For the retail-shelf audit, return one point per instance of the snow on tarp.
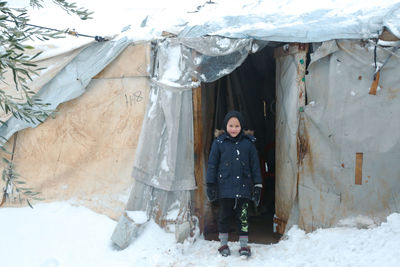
(295, 21)
(287, 21)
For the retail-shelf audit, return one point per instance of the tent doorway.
(251, 90)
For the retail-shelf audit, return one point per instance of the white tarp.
(289, 85)
(295, 21)
(72, 79)
(341, 120)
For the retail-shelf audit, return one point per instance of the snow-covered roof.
(295, 21)
(284, 21)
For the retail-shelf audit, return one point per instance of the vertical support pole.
(290, 88)
(198, 157)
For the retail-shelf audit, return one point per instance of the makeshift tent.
(84, 152)
(337, 140)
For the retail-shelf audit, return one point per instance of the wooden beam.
(198, 157)
(358, 171)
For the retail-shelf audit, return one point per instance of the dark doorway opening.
(251, 90)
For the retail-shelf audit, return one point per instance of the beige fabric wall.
(85, 154)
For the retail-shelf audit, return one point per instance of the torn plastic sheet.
(205, 59)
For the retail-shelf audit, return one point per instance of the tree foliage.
(15, 31)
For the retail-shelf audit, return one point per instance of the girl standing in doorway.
(233, 178)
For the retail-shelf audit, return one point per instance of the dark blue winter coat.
(233, 166)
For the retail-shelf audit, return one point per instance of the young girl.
(233, 178)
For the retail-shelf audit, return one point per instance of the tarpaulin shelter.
(336, 139)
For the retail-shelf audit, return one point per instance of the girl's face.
(233, 127)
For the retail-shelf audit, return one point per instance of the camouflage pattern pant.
(233, 209)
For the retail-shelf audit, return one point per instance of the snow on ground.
(61, 234)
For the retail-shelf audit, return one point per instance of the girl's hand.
(212, 192)
(257, 195)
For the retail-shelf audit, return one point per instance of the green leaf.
(25, 188)
(29, 64)
(36, 55)
(30, 205)
(7, 108)
(17, 46)
(15, 76)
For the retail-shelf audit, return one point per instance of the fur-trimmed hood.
(219, 132)
(221, 135)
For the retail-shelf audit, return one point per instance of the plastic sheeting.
(72, 80)
(341, 120)
(86, 152)
(52, 66)
(289, 84)
(290, 23)
(164, 158)
(213, 57)
(206, 59)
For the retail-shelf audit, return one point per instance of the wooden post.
(198, 157)
(358, 169)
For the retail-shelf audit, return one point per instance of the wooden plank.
(280, 225)
(358, 172)
(388, 36)
(374, 85)
(290, 49)
(198, 157)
